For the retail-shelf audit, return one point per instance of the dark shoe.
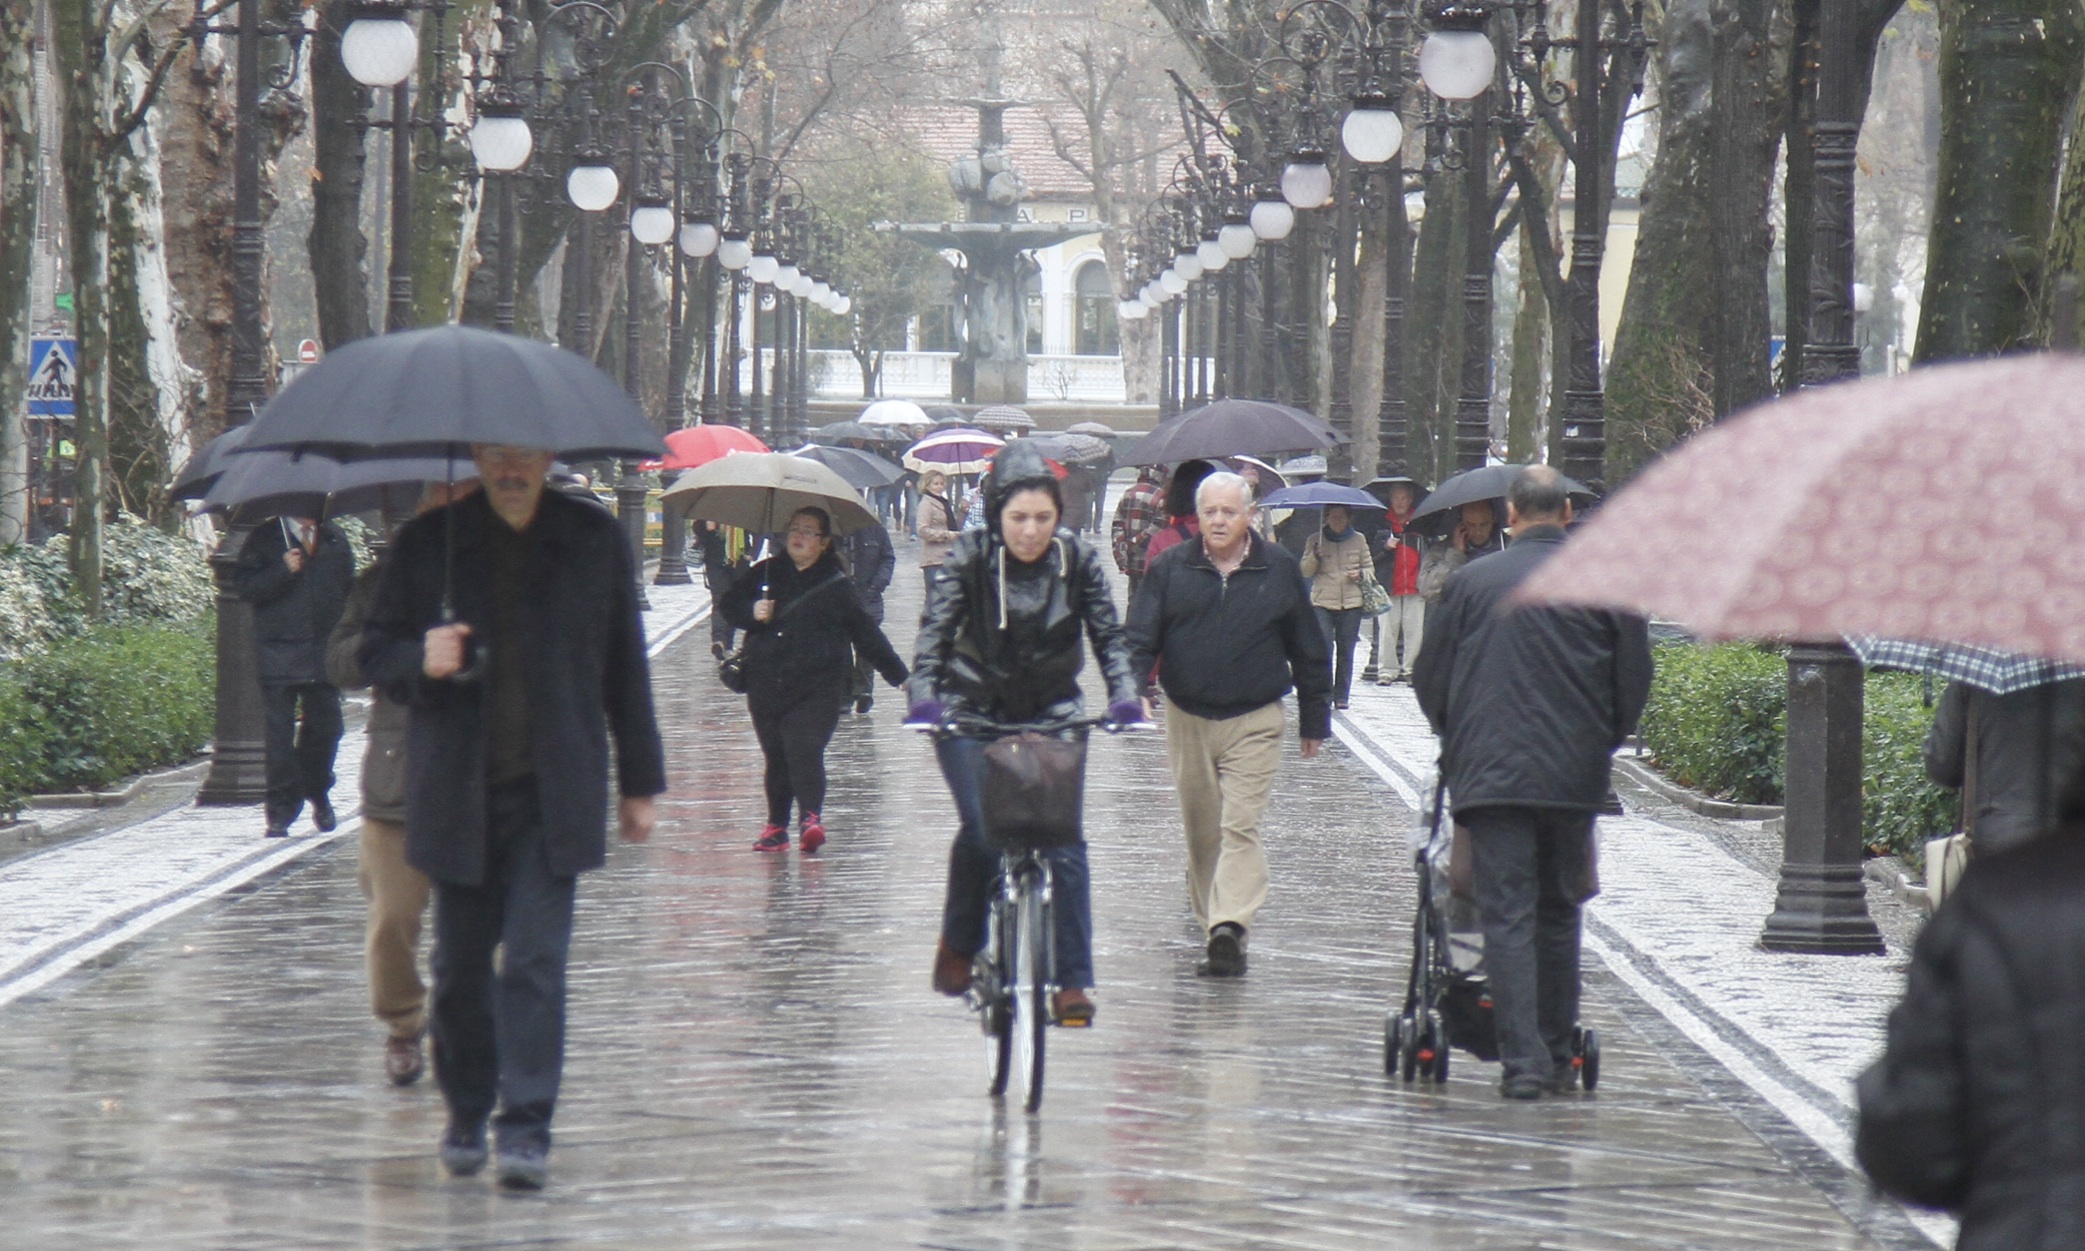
(1226, 951)
(524, 1166)
(951, 971)
(718, 650)
(278, 829)
(1341, 706)
(772, 838)
(322, 815)
(404, 1062)
(1521, 1086)
(1562, 1082)
(462, 1151)
(813, 835)
(1072, 1008)
(862, 705)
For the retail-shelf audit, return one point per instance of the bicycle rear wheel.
(991, 984)
(1031, 1010)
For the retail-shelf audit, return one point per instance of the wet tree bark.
(1433, 331)
(19, 188)
(337, 248)
(2008, 75)
(1745, 132)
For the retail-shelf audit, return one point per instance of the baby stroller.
(1447, 1000)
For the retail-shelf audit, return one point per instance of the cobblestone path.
(755, 1059)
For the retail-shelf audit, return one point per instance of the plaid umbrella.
(1003, 417)
(1986, 668)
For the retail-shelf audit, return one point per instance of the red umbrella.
(1862, 508)
(696, 446)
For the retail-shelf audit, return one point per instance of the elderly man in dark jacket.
(1978, 1104)
(1227, 618)
(871, 563)
(296, 573)
(507, 774)
(1530, 703)
(2028, 743)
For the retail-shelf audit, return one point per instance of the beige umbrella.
(757, 491)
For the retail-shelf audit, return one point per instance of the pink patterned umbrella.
(1862, 508)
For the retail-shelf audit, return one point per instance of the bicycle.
(1013, 978)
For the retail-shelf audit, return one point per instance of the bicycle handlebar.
(984, 727)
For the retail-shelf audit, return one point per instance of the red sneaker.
(813, 835)
(772, 838)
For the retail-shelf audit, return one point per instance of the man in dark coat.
(507, 774)
(1976, 1105)
(2028, 743)
(1530, 703)
(871, 563)
(719, 573)
(296, 573)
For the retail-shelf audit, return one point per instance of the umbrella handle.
(477, 652)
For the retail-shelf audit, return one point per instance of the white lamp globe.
(821, 290)
(592, 188)
(1213, 257)
(1306, 183)
(1172, 282)
(734, 253)
(1272, 220)
(801, 288)
(652, 222)
(843, 306)
(1457, 63)
(699, 239)
(1131, 310)
(786, 276)
(1187, 264)
(1237, 240)
(1372, 133)
(763, 268)
(380, 50)
(501, 140)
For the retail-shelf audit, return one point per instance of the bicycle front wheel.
(1031, 1008)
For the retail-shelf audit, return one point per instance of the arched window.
(1095, 331)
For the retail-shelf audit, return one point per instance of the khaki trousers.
(1224, 772)
(397, 894)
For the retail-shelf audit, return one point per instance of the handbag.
(1375, 597)
(1035, 787)
(1946, 858)
(731, 670)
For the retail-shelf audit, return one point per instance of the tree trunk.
(445, 204)
(1433, 330)
(2066, 252)
(1371, 289)
(1745, 129)
(77, 46)
(19, 190)
(1658, 382)
(2008, 73)
(337, 248)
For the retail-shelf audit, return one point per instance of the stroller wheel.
(1393, 1043)
(1437, 1041)
(1408, 1047)
(1589, 1058)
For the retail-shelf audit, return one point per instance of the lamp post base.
(630, 495)
(1822, 903)
(1822, 909)
(239, 751)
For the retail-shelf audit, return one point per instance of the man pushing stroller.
(1530, 703)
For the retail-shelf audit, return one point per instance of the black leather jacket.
(1003, 640)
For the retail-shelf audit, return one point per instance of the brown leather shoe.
(1072, 1008)
(951, 971)
(403, 1061)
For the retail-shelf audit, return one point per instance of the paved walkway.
(755, 1060)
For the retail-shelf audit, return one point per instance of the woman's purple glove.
(927, 714)
(1126, 712)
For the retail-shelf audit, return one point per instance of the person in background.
(1476, 534)
(1335, 560)
(804, 623)
(395, 891)
(2028, 745)
(1227, 619)
(1182, 520)
(296, 572)
(932, 517)
(1139, 514)
(723, 562)
(1398, 558)
(871, 562)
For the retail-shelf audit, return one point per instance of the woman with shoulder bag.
(803, 622)
(1337, 561)
(1003, 638)
(936, 533)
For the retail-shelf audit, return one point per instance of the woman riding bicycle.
(1001, 641)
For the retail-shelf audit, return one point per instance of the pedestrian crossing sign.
(54, 371)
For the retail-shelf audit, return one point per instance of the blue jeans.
(973, 872)
(1342, 628)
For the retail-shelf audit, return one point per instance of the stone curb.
(109, 799)
(1695, 801)
(1890, 873)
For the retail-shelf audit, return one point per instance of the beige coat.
(1331, 566)
(935, 533)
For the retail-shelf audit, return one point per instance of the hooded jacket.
(1004, 639)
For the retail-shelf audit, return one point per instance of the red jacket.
(1404, 569)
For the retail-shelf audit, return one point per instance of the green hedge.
(103, 704)
(1717, 720)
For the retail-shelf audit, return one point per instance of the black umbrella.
(1072, 449)
(273, 484)
(1488, 483)
(435, 392)
(1231, 428)
(840, 432)
(862, 470)
(205, 467)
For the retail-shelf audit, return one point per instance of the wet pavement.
(755, 1059)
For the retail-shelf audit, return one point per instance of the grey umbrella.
(1488, 483)
(205, 467)
(862, 470)
(1231, 428)
(1072, 449)
(271, 484)
(435, 392)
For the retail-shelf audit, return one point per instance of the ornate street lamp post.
(380, 49)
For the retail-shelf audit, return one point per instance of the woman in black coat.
(803, 624)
